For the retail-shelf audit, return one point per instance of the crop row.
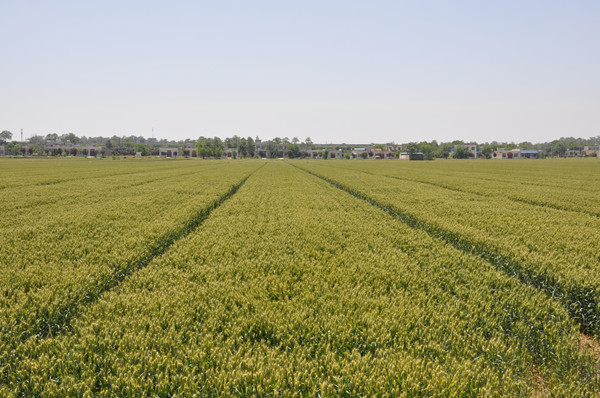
(56, 262)
(541, 246)
(293, 288)
(44, 172)
(554, 186)
(38, 197)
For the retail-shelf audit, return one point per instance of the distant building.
(190, 151)
(2, 150)
(411, 156)
(313, 154)
(335, 154)
(395, 148)
(360, 153)
(590, 150)
(380, 154)
(501, 153)
(89, 150)
(230, 153)
(168, 152)
(57, 148)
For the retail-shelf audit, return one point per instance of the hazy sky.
(337, 71)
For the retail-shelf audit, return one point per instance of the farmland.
(299, 278)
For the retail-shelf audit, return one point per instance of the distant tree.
(443, 150)
(251, 146)
(412, 148)
(202, 148)
(295, 140)
(209, 147)
(526, 145)
(231, 142)
(109, 144)
(427, 149)
(70, 137)
(461, 152)
(272, 149)
(5, 136)
(14, 148)
(308, 141)
(243, 147)
(559, 148)
(487, 151)
(293, 150)
(143, 149)
(52, 137)
(36, 139)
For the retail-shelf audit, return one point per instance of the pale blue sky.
(337, 71)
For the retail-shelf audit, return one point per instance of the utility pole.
(21, 135)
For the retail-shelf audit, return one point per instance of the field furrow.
(53, 266)
(558, 191)
(540, 246)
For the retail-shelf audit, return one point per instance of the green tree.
(70, 137)
(461, 152)
(412, 148)
(487, 151)
(143, 149)
(202, 148)
(36, 139)
(5, 136)
(243, 147)
(559, 148)
(209, 147)
(444, 150)
(427, 149)
(272, 149)
(293, 150)
(526, 145)
(251, 146)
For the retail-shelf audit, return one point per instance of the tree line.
(277, 147)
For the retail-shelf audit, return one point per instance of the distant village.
(237, 147)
